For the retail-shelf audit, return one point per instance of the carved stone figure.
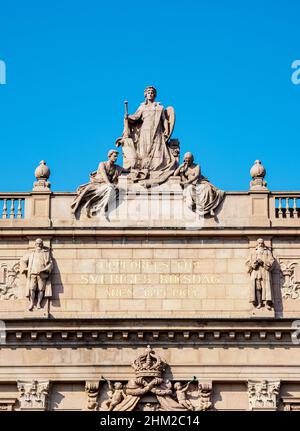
(116, 395)
(181, 395)
(33, 394)
(263, 395)
(290, 286)
(145, 141)
(37, 267)
(96, 196)
(259, 266)
(199, 194)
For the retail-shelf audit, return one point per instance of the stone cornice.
(82, 231)
(67, 332)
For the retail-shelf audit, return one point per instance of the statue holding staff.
(145, 140)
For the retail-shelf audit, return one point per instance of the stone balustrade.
(12, 206)
(287, 205)
(161, 206)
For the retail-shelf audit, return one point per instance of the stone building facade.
(150, 307)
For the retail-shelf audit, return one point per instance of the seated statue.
(95, 196)
(199, 194)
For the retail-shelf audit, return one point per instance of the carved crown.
(149, 364)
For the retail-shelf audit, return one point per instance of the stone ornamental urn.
(42, 173)
(258, 173)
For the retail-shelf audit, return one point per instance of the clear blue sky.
(224, 65)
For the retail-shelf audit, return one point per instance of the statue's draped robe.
(201, 194)
(261, 272)
(146, 148)
(95, 196)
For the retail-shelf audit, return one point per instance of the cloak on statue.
(145, 138)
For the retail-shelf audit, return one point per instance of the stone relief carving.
(101, 192)
(199, 194)
(145, 141)
(263, 395)
(204, 396)
(259, 266)
(37, 267)
(290, 286)
(33, 394)
(9, 276)
(181, 395)
(160, 392)
(116, 395)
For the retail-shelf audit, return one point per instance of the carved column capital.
(33, 394)
(263, 395)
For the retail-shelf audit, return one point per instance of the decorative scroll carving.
(263, 395)
(33, 394)
(290, 287)
(159, 392)
(92, 390)
(204, 396)
(8, 280)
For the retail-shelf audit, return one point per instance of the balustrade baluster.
(4, 210)
(19, 211)
(12, 208)
(280, 213)
(287, 208)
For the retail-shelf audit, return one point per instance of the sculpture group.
(150, 158)
(149, 380)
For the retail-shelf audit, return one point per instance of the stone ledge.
(94, 333)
